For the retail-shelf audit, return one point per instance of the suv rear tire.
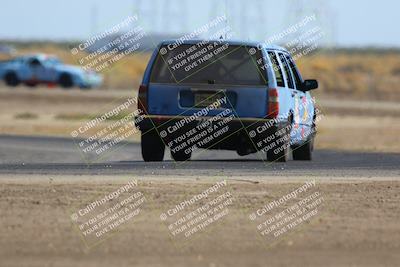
(152, 146)
(181, 155)
(284, 147)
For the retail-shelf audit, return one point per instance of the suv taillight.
(142, 98)
(273, 103)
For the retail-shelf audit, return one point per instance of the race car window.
(34, 62)
(277, 69)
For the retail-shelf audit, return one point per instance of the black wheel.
(85, 87)
(304, 152)
(152, 146)
(11, 79)
(280, 152)
(65, 81)
(181, 155)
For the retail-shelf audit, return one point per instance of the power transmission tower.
(93, 19)
(252, 19)
(174, 15)
(144, 13)
(326, 20)
(217, 9)
(297, 10)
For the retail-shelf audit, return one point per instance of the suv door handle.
(294, 93)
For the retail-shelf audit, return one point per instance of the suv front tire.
(304, 152)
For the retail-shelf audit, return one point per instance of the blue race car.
(44, 69)
(242, 96)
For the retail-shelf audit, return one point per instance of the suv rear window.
(211, 63)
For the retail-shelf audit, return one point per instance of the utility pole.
(93, 19)
(252, 19)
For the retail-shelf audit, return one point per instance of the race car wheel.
(181, 155)
(65, 80)
(304, 152)
(152, 146)
(11, 79)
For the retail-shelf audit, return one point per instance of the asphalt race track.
(50, 155)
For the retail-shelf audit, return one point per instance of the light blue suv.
(241, 96)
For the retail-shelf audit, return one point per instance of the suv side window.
(287, 71)
(277, 69)
(297, 77)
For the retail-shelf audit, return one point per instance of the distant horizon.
(346, 23)
(74, 41)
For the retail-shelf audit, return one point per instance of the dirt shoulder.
(357, 225)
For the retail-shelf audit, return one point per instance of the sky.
(347, 23)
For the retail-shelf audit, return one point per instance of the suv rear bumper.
(241, 132)
(148, 122)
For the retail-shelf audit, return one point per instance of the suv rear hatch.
(189, 77)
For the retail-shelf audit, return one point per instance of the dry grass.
(373, 75)
(26, 116)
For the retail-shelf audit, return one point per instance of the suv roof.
(230, 42)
